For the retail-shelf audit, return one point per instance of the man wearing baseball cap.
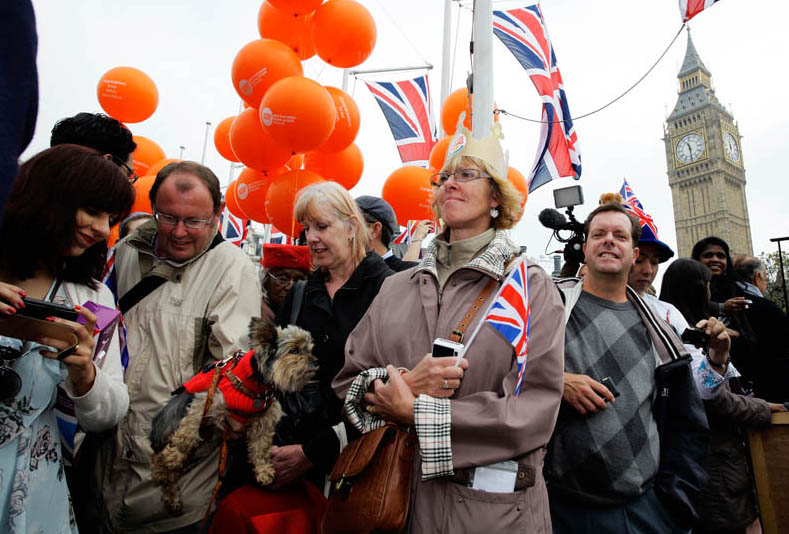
(382, 226)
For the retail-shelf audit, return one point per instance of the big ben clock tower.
(705, 164)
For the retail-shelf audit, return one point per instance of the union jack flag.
(233, 229)
(278, 238)
(511, 316)
(408, 110)
(108, 278)
(633, 205)
(406, 236)
(690, 8)
(523, 31)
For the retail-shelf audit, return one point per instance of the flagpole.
(445, 53)
(482, 75)
(205, 142)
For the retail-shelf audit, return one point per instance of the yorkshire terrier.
(281, 360)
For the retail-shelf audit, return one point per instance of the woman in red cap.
(283, 266)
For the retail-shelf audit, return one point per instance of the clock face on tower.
(730, 147)
(690, 148)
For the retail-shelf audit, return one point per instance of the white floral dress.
(33, 486)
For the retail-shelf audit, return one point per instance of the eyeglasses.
(461, 175)
(286, 279)
(190, 222)
(129, 171)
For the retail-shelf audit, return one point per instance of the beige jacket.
(202, 312)
(488, 424)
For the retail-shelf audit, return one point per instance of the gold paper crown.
(487, 149)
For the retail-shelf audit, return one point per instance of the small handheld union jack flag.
(406, 236)
(510, 314)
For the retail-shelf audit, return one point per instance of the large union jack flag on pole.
(523, 31)
(690, 8)
(633, 205)
(409, 112)
(509, 313)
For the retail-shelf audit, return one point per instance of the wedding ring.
(446, 384)
(370, 409)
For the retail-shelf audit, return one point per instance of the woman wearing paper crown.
(482, 426)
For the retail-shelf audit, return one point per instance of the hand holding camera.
(437, 374)
(719, 341)
(78, 358)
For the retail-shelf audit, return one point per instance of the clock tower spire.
(705, 164)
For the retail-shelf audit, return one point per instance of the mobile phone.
(607, 382)
(444, 347)
(41, 309)
(696, 337)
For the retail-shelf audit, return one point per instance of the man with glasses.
(283, 266)
(187, 296)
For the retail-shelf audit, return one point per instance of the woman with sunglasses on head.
(469, 421)
(53, 248)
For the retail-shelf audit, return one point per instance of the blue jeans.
(642, 515)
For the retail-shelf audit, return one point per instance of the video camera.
(566, 197)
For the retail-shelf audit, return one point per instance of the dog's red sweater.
(244, 394)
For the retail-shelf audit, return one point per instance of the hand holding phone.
(609, 383)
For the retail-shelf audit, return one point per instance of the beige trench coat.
(488, 424)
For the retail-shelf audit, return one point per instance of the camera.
(696, 337)
(566, 197)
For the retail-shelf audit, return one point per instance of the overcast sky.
(603, 47)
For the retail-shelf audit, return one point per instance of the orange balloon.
(296, 162)
(344, 33)
(517, 179)
(438, 154)
(344, 167)
(141, 189)
(409, 192)
(251, 193)
(291, 28)
(231, 201)
(346, 125)
(146, 154)
(296, 7)
(127, 94)
(298, 113)
(154, 169)
(259, 64)
(222, 139)
(281, 198)
(253, 145)
(456, 102)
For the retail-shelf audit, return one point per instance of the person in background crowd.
(467, 417)
(53, 247)
(728, 503)
(345, 281)
(187, 296)
(98, 131)
(283, 266)
(769, 324)
(132, 222)
(382, 226)
(605, 454)
(729, 302)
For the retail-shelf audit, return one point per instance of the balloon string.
(641, 79)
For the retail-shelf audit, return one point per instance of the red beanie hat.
(287, 256)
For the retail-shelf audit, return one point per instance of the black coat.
(768, 366)
(728, 502)
(330, 321)
(398, 264)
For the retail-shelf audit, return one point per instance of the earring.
(494, 212)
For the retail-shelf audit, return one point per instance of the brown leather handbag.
(371, 483)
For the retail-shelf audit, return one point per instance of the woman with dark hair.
(53, 247)
(728, 503)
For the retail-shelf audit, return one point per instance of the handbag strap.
(458, 332)
(298, 298)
